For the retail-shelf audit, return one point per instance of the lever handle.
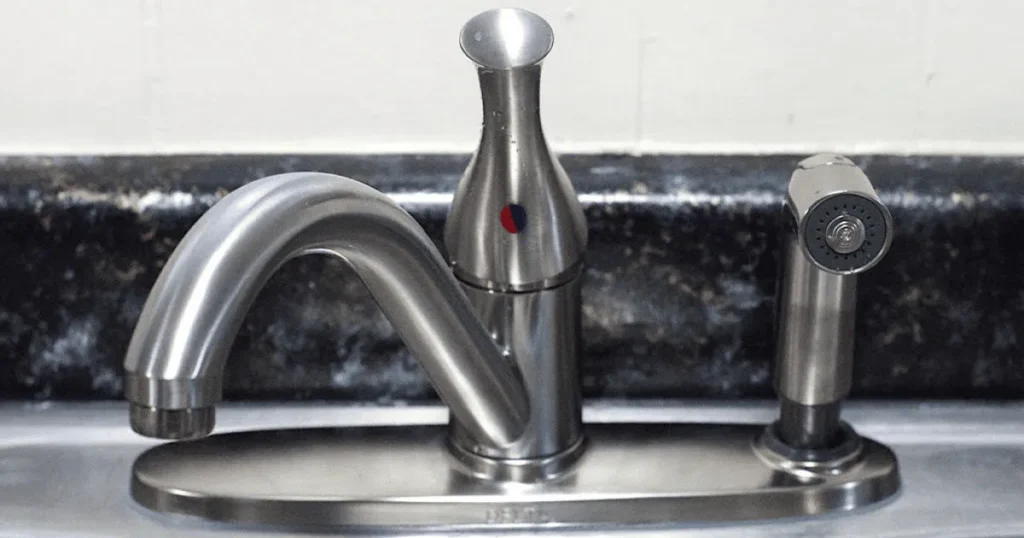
(515, 224)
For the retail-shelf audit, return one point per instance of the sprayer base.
(405, 477)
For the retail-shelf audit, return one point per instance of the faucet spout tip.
(178, 424)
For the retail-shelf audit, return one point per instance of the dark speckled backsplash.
(678, 294)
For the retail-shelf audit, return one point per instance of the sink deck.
(65, 468)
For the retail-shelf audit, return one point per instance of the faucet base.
(405, 477)
(525, 470)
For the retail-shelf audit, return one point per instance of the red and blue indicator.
(513, 218)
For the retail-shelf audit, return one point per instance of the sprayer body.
(835, 228)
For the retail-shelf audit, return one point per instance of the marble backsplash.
(678, 291)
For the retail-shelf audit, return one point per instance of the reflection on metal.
(497, 331)
(515, 238)
(835, 228)
(386, 477)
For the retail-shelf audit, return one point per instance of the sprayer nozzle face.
(846, 233)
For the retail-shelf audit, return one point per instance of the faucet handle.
(515, 223)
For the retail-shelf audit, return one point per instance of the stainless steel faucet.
(497, 331)
(504, 361)
(176, 357)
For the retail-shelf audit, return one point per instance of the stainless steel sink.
(65, 468)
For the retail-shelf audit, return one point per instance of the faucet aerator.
(176, 424)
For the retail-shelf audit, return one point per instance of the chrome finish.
(845, 234)
(403, 477)
(176, 357)
(837, 229)
(515, 238)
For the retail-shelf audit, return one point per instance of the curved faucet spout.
(176, 357)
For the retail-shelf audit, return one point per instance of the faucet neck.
(511, 106)
(515, 222)
(176, 357)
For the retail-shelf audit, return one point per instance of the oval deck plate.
(404, 477)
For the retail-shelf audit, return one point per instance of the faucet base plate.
(405, 477)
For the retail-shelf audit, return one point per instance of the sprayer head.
(842, 226)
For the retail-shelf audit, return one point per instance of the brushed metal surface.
(65, 469)
(515, 226)
(404, 477)
(823, 252)
(513, 165)
(817, 310)
(177, 353)
(522, 273)
(540, 331)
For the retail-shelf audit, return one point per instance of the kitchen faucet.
(515, 239)
(176, 358)
(497, 331)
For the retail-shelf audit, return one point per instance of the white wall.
(141, 76)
